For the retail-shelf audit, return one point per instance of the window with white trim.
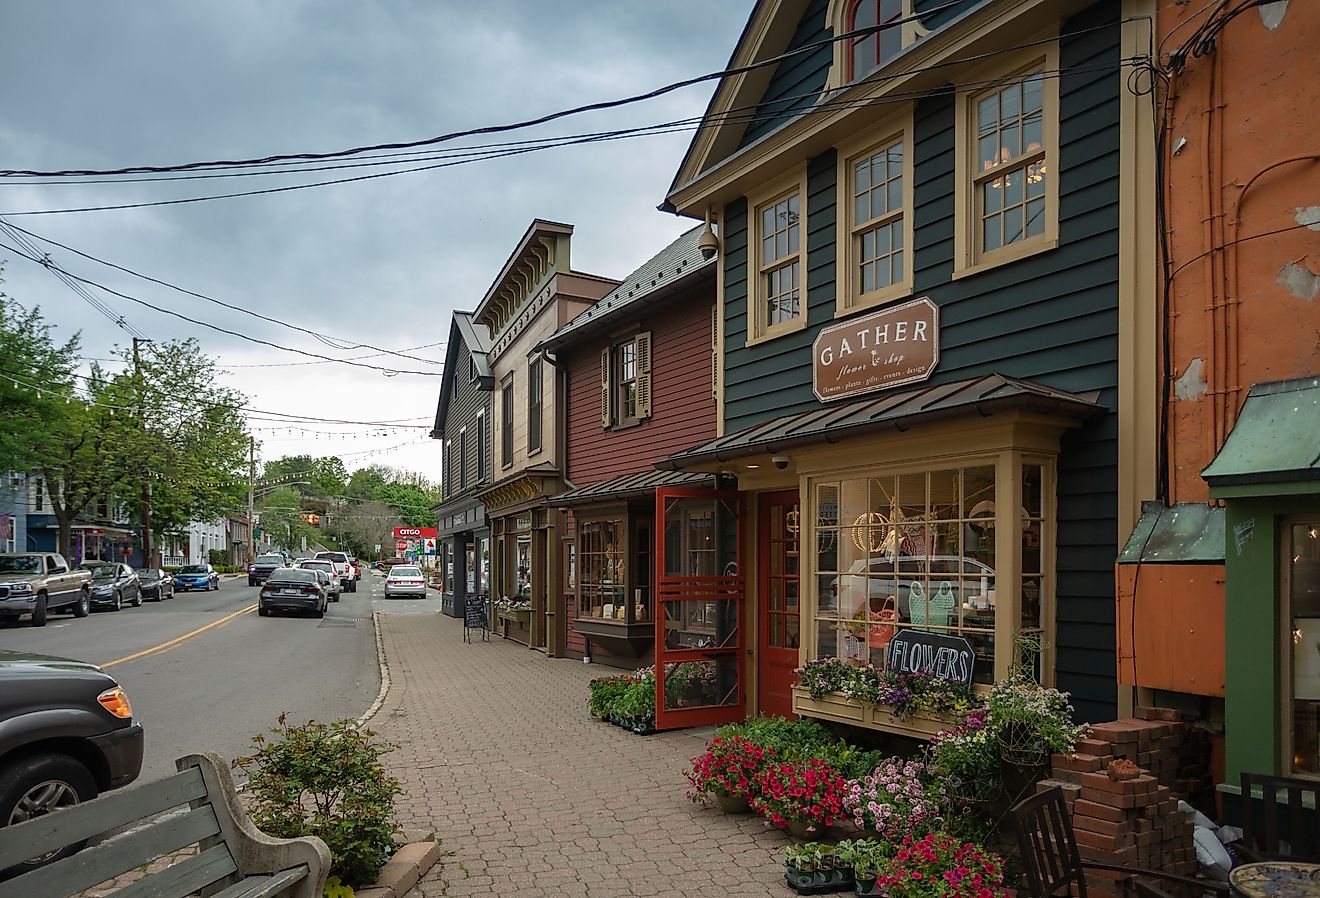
(462, 458)
(481, 445)
(777, 262)
(876, 184)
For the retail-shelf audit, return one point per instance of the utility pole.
(148, 557)
(252, 476)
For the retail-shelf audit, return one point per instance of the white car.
(405, 580)
(330, 569)
(343, 567)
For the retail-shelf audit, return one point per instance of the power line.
(491, 129)
(389, 372)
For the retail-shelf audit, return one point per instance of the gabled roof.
(978, 395)
(677, 265)
(462, 333)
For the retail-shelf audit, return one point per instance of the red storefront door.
(698, 627)
(777, 600)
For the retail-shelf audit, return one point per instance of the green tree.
(37, 385)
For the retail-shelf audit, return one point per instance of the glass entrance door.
(777, 601)
(699, 587)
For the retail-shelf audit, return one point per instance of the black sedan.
(290, 589)
(114, 584)
(155, 583)
(66, 734)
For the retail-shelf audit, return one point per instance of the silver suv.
(343, 567)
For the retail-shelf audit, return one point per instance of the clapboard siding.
(682, 405)
(465, 403)
(1052, 318)
(798, 80)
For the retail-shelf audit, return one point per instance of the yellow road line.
(178, 639)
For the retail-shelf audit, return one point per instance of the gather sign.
(896, 345)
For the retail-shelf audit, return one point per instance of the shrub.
(605, 691)
(789, 739)
(326, 780)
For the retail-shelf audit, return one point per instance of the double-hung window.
(778, 263)
(876, 217)
(625, 381)
(506, 422)
(534, 405)
(462, 458)
(1008, 168)
(481, 446)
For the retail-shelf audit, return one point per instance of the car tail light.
(116, 702)
(311, 590)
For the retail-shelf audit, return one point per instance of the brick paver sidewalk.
(535, 799)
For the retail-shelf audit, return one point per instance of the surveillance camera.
(709, 245)
(780, 462)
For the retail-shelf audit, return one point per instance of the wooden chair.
(1265, 837)
(1053, 865)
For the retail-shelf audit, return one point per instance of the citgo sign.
(414, 532)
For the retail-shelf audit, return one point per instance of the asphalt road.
(203, 671)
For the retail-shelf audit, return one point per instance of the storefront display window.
(483, 571)
(919, 549)
(522, 573)
(1303, 616)
(449, 567)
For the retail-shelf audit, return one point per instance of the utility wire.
(494, 129)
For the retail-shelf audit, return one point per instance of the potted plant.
(966, 759)
(867, 856)
(1030, 722)
(939, 865)
(726, 771)
(896, 800)
(799, 796)
(800, 865)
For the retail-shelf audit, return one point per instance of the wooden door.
(777, 601)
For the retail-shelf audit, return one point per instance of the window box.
(520, 617)
(839, 708)
(617, 637)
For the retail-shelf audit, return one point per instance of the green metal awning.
(1275, 442)
(1187, 533)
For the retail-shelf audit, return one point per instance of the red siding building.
(638, 366)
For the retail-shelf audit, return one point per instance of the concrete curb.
(384, 671)
(404, 869)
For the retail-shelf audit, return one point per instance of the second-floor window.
(534, 405)
(871, 51)
(462, 459)
(625, 381)
(481, 447)
(506, 422)
(777, 261)
(449, 468)
(39, 498)
(875, 217)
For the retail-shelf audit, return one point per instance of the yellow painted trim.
(773, 192)
(718, 386)
(967, 257)
(837, 16)
(898, 128)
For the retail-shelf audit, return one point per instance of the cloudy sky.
(380, 262)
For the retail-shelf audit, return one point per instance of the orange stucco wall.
(1242, 159)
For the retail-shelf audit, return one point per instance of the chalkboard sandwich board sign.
(475, 616)
(920, 651)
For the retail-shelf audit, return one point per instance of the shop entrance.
(777, 601)
(698, 630)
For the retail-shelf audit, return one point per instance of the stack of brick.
(1179, 759)
(1132, 822)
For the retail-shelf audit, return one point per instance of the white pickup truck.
(38, 583)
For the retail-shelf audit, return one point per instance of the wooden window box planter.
(839, 708)
(523, 618)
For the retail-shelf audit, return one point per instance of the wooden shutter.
(605, 419)
(715, 351)
(642, 347)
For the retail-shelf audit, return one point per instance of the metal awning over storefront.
(898, 411)
(1187, 533)
(1276, 441)
(629, 486)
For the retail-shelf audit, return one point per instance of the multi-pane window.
(534, 405)
(449, 468)
(481, 447)
(506, 422)
(1302, 610)
(462, 458)
(918, 549)
(626, 366)
(871, 51)
(602, 583)
(1010, 178)
(780, 261)
(625, 381)
(877, 219)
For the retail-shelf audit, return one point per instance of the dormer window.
(870, 51)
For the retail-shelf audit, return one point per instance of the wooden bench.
(233, 858)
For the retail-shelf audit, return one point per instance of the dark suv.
(66, 734)
(262, 566)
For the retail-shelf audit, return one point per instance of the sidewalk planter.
(732, 804)
(840, 708)
(522, 618)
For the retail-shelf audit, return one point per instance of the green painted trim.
(1248, 490)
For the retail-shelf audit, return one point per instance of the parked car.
(343, 567)
(357, 568)
(196, 576)
(38, 583)
(294, 589)
(869, 583)
(263, 565)
(155, 583)
(113, 584)
(66, 734)
(405, 580)
(331, 569)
